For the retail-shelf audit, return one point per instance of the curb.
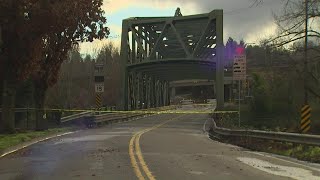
(18, 147)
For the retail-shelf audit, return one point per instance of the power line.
(257, 3)
(236, 11)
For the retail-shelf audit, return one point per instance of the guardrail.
(20, 109)
(268, 135)
(75, 116)
(63, 119)
(114, 117)
(89, 119)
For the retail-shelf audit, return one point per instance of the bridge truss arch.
(158, 50)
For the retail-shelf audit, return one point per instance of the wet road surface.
(164, 146)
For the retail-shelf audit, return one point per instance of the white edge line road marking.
(287, 161)
(297, 173)
(204, 127)
(265, 154)
(205, 123)
(35, 142)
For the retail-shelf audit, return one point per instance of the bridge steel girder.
(158, 50)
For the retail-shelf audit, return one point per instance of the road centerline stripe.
(141, 159)
(134, 149)
(134, 163)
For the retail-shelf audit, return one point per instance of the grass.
(277, 122)
(302, 152)
(263, 121)
(9, 140)
(308, 153)
(298, 151)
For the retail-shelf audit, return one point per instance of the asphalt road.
(164, 146)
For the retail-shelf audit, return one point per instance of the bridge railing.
(91, 119)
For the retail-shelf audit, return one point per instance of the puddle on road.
(197, 134)
(85, 138)
(286, 171)
(122, 128)
(120, 133)
(196, 172)
(97, 165)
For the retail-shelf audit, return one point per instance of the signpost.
(239, 73)
(239, 67)
(99, 84)
(99, 87)
(305, 123)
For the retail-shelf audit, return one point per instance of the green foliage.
(261, 102)
(8, 140)
(75, 87)
(36, 37)
(227, 120)
(309, 153)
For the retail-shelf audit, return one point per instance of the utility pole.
(305, 122)
(306, 53)
(0, 40)
(239, 96)
(69, 83)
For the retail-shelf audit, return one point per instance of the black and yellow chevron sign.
(98, 100)
(305, 123)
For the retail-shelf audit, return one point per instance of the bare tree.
(297, 31)
(256, 3)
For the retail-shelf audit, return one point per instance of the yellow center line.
(133, 160)
(141, 159)
(135, 145)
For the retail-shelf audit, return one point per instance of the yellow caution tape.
(145, 111)
(160, 110)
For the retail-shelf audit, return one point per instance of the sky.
(242, 19)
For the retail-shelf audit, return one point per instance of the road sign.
(305, 119)
(98, 68)
(98, 100)
(99, 83)
(98, 79)
(99, 87)
(239, 67)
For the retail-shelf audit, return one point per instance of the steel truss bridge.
(158, 50)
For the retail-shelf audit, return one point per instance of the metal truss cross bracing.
(158, 50)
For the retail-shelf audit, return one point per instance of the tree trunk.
(1, 92)
(39, 97)
(31, 115)
(8, 93)
(8, 106)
